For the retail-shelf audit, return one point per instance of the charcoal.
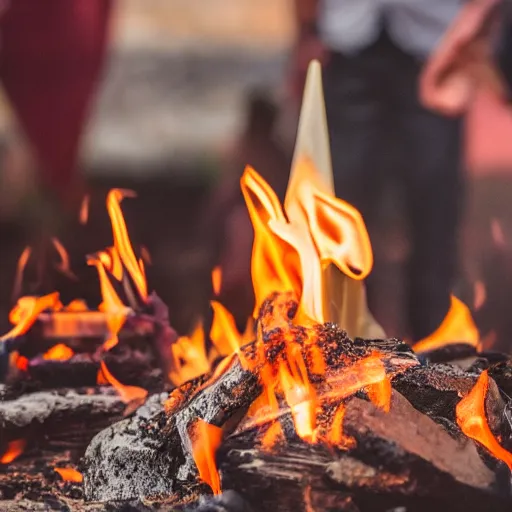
(151, 454)
(448, 353)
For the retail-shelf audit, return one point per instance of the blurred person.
(373, 52)
(51, 54)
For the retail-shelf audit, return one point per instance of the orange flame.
(64, 266)
(480, 293)
(223, 333)
(26, 311)
(59, 352)
(20, 268)
(336, 437)
(458, 326)
(290, 251)
(127, 393)
(83, 216)
(114, 308)
(216, 280)
(14, 450)
(190, 358)
(69, 474)
(471, 418)
(206, 439)
(122, 242)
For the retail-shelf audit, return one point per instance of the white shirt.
(416, 26)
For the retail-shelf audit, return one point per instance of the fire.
(216, 280)
(127, 393)
(471, 418)
(336, 437)
(223, 333)
(20, 268)
(458, 326)
(64, 266)
(59, 352)
(26, 311)
(122, 242)
(190, 357)
(83, 215)
(114, 308)
(14, 450)
(206, 439)
(69, 474)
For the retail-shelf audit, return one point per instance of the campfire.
(311, 408)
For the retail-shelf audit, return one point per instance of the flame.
(223, 333)
(14, 450)
(216, 280)
(471, 418)
(59, 352)
(76, 306)
(206, 439)
(127, 393)
(122, 242)
(336, 437)
(299, 393)
(293, 247)
(21, 362)
(379, 394)
(190, 357)
(458, 326)
(480, 293)
(64, 266)
(83, 216)
(69, 474)
(114, 308)
(20, 268)
(26, 311)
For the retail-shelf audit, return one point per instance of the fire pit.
(311, 408)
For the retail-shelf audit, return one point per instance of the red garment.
(51, 54)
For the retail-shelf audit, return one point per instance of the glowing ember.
(216, 280)
(206, 439)
(14, 450)
(69, 474)
(127, 393)
(471, 418)
(59, 352)
(122, 242)
(26, 311)
(457, 327)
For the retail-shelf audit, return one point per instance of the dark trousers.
(379, 132)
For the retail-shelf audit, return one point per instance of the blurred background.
(189, 92)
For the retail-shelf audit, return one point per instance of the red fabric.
(51, 52)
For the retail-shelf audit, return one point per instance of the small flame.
(83, 216)
(380, 394)
(122, 242)
(206, 439)
(127, 393)
(471, 418)
(336, 437)
(21, 362)
(299, 393)
(190, 358)
(114, 308)
(217, 280)
(26, 311)
(64, 265)
(20, 269)
(69, 474)
(458, 326)
(223, 333)
(59, 352)
(480, 294)
(14, 450)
